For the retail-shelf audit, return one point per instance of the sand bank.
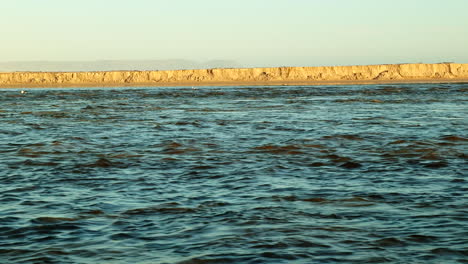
(388, 73)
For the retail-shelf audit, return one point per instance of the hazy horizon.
(256, 33)
(114, 65)
(136, 65)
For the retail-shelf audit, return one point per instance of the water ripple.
(294, 174)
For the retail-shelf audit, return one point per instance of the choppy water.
(301, 174)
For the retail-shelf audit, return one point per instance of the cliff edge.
(441, 72)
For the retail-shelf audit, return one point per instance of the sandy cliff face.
(344, 74)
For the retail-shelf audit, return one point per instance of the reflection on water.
(300, 174)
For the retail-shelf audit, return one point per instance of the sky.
(250, 32)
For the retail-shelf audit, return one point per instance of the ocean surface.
(293, 174)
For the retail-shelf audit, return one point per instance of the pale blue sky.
(251, 32)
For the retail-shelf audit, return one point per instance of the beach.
(328, 75)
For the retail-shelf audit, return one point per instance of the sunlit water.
(299, 174)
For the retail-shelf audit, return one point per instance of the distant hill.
(113, 65)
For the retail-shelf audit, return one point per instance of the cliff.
(441, 72)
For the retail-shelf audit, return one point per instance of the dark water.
(328, 174)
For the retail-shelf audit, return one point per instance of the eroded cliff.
(341, 74)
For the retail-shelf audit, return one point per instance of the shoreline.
(330, 75)
(227, 84)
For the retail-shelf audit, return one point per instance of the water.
(299, 174)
